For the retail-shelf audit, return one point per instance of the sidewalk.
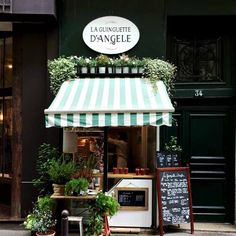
(200, 230)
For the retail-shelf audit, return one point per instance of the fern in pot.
(60, 172)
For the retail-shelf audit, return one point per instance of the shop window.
(5, 106)
(5, 122)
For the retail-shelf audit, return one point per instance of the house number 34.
(198, 93)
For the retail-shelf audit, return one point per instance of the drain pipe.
(64, 223)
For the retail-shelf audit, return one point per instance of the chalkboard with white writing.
(132, 198)
(174, 196)
(167, 159)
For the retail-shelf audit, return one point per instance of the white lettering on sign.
(111, 35)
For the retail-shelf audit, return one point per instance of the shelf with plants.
(109, 75)
(153, 69)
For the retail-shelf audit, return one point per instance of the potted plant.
(83, 63)
(102, 61)
(125, 61)
(93, 65)
(41, 219)
(134, 64)
(60, 172)
(117, 62)
(172, 145)
(110, 65)
(46, 153)
(156, 69)
(104, 205)
(174, 149)
(61, 69)
(76, 186)
(85, 167)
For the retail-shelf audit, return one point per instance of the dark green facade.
(206, 122)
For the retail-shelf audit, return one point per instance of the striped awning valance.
(99, 102)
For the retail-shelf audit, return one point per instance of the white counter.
(136, 218)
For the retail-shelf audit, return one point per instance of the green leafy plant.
(92, 62)
(135, 62)
(61, 171)
(85, 166)
(83, 61)
(46, 153)
(103, 205)
(102, 60)
(172, 145)
(156, 69)
(124, 59)
(61, 69)
(76, 186)
(41, 219)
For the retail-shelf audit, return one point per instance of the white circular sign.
(111, 35)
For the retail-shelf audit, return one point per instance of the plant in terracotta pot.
(60, 172)
(104, 205)
(41, 219)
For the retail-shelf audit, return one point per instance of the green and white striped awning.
(99, 102)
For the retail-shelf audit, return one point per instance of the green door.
(207, 140)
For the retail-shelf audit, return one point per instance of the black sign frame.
(130, 192)
(166, 159)
(160, 193)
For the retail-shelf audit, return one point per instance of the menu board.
(167, 159)
(174, 196)
(132, 198)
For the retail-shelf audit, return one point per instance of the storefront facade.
(205, 94)
(205, 84)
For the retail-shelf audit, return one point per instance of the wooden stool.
(77, 219)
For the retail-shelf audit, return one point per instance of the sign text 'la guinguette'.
(111, 35)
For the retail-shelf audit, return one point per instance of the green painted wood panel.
(206, 135)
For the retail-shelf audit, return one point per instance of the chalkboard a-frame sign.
(174, 197)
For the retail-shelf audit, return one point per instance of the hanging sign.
(111, 35)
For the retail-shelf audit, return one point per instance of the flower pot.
(102, 69)
(49, 233)
(125, 70)
(110, 70)
(58, 189)
(93, 70)
(134, 70)
(140, 70)
(84, 69)
(118, 70)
